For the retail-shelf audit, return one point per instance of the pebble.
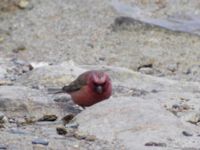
(83, 136)
(185, 133)
(172, 67)
(48, 118)
(23, 4)
(72, 125)
(3, 147)
(40, 141)
(61, 130)
(67, 118)
(156, 144)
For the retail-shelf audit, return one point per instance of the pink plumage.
(89, 88)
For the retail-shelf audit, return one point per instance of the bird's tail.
(55, 91)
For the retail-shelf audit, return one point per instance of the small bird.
(89, 88)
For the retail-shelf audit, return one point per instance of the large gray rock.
(23, 101)
(135, 122)
(51, 75)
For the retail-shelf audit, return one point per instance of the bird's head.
(100, 82)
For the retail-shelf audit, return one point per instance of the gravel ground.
(160, 39)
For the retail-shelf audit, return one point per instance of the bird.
(89, 88)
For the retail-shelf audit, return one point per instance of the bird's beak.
(99, 89)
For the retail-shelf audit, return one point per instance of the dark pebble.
(187, 133)
(156, 144)
(61, 130)
(90, 45)
(48, 118)
(145, 66)
(3, 146)
(40, 141)
(67, 118)
(102, 58)
(154, 91)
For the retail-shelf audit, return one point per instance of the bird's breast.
(87, 97)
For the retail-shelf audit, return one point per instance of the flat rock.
(51, 75)
(24, 101)
(128, 119)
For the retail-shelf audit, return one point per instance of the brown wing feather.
(76, 84)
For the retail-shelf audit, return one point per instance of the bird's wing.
(76, 84)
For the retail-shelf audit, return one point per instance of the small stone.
(150, 65)
(3, 147)
(185, 133)
(80, 135)
(172, 67)
(156, 144)
(67, 118)
(27, 68)
(39, 65)
(61, 130)
(90, 45)
(12, 120)
(48, 118)
(72, 125)
(40, 141)
(102, 58)
(23, 4)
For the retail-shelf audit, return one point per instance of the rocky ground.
(151, 51)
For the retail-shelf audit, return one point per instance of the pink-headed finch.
(89, 88)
